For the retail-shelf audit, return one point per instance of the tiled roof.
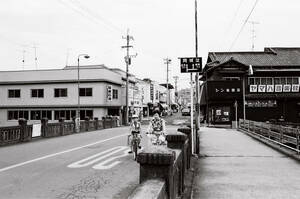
(268, 57)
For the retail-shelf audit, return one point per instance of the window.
(35, 115)
(86, 113)
(231, 78)
(251, 81)
(14, 93)
(269, 81)
(39, 93)
(85, 92)
(67, 114)
(115, 94)
(282, 80)
(156, 95)
(60, 92)
(15, 115)
(263, 80)
(295, 80)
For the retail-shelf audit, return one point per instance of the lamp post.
(77, 120)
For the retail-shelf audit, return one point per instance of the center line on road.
(59, 153)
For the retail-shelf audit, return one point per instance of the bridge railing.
(163, 168)
(286, 136)
(23, 132)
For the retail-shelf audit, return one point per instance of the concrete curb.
(275, 146)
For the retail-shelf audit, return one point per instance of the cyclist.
(157, 129)
(135, 127)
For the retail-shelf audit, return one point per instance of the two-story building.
(35, 94)
(266, 83)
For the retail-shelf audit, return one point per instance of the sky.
(60, 30)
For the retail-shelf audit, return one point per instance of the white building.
(34, 94)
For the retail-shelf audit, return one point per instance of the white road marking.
(59, 153)
(102, 165)
(98, 157)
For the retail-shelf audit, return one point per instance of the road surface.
(86, 165)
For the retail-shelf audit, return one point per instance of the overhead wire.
(242, 27)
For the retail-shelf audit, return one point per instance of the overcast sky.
(62, 29)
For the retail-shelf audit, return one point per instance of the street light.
(77, 120)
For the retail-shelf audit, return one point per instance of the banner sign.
(261, 103)
(278, 88)
(224, 89)
(191, 64)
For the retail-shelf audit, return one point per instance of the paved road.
(237, 166)
(86, 165)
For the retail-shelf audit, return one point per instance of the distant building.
(35, 94)
(271, 82)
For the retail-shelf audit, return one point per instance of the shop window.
(257, 81)
(35, 115)
(269, 81)
(251, 81)
(263, 81)
(277, 80)
(282, 80)
(295, 80)
(15, 115)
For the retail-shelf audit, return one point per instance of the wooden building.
(266, 83)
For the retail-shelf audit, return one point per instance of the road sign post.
(191, 65)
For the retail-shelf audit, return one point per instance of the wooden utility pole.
(176, 88)
(167, 62)
(128, 62)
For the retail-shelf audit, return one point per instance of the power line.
(245, 22)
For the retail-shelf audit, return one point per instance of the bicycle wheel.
(134, 147)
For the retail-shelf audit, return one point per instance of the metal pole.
(168, 101)
(197, 83)
(192, 113)
(244, 101)
(77, 120)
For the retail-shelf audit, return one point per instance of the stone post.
(178, 140)
(44, 123)
(23, 123)
(61, 123)
(87, 123)
(104, 122)
(157, 162)
(187, 131)
(96, 123)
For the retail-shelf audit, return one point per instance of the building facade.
(35, 94)
(266, 83)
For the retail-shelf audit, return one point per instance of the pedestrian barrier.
(163, 169)
(23, 132)
(286, 136)
(15, 134)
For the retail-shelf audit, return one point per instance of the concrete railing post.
(298, 140)
(61, 123)
(187, 131)
(87, 123)
(178, 140)
(96, 123)
(104, 122)
(44, 124)
(157, 163)
(23, 123)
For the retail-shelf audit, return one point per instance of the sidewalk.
(233, 165)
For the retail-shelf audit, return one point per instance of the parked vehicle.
(185, 112)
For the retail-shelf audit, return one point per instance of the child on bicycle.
(135, 128)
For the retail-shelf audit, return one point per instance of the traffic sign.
(191, 64)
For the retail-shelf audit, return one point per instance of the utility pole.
(167, 62)
(176, 91)
(253, 36)
(23, 60)
(35, 57)
(197, 84)
(128, 62)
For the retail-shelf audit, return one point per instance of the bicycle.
(135, 140)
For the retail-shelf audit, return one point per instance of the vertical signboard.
(109, 93)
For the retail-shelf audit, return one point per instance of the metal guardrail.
(282, 135)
